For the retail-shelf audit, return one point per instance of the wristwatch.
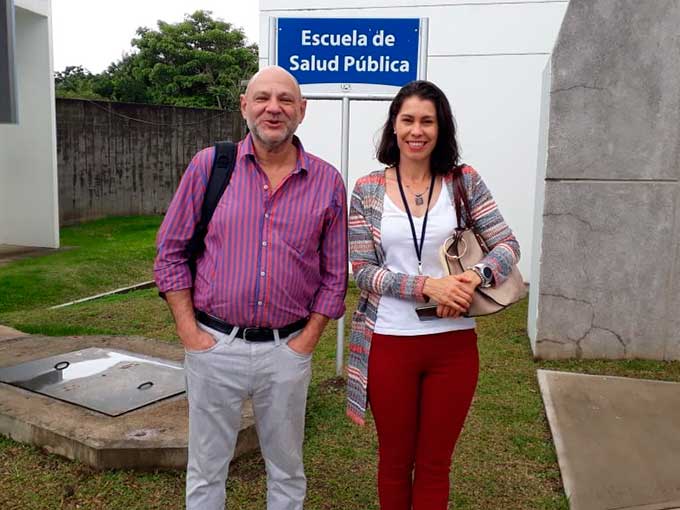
(485, 274)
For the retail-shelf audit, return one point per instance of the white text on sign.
(310, 38)
(361, 64)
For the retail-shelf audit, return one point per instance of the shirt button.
(266, 187)
(266, 215)
(262, 273)
(264, 243)
(259, 303)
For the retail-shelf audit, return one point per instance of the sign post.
(349, 59)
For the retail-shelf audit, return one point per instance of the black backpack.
(222, 168)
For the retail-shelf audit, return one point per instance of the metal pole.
(344, 168)
(423, 48)
(273, 41)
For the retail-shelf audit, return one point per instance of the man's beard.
(269, 142)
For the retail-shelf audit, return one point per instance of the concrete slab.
(152, 437)
(617, 440)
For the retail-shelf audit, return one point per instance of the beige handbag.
(464, 249)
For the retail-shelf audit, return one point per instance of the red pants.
(420, 389)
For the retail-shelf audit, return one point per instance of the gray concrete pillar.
(609, 218)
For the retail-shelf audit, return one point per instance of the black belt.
(250, 334)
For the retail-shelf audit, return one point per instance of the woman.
(421, 375)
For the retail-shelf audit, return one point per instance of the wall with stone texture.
(609, 283)
(127, 159)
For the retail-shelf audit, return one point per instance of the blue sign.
(349, 50)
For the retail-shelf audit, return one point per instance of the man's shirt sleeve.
(171, 270)
(330, 298)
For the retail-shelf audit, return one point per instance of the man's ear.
(243, 102)
(303, 108)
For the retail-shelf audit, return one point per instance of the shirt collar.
(248, 150)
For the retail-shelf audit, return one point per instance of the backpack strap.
(220, 175)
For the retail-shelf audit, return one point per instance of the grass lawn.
(504, 459)
(99, 256)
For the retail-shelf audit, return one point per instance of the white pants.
(276, 378)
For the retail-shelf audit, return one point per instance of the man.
(273, 272)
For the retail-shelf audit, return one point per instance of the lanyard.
(419, 249)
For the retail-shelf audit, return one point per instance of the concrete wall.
(28, 168)
(123, 159)
(610, 246)
(488, 56)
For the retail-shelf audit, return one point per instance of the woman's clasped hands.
(453, 294)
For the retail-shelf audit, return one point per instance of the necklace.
(419, 196)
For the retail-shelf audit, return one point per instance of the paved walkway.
(617, 440)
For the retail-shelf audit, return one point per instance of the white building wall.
(28, 159)
(488, 57)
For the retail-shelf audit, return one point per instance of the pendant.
(419, 200)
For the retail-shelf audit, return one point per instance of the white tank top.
(397, 316)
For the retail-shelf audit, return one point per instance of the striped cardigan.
(368, 259)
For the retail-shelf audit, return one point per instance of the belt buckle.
(251, 330)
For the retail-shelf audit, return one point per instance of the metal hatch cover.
(109, 381)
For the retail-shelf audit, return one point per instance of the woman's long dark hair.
(445, 156)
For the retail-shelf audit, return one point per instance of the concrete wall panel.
(123, 159)
(605, 270)
(610, 242)
(615, 91)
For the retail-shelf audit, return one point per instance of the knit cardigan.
(374, 280)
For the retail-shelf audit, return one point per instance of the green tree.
(75, 81)
(198, 62)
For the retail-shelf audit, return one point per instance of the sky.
(95, 33)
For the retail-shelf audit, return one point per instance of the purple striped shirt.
(271, 257)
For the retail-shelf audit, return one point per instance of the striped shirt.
(271, 256)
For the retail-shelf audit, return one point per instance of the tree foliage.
(75, 81)
(198, 62)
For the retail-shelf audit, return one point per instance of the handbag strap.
(460, 199)
(460, 202)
